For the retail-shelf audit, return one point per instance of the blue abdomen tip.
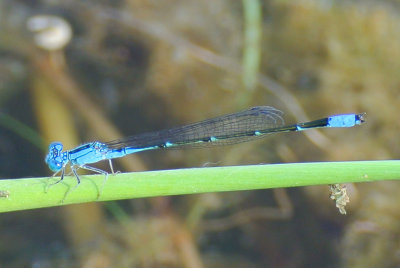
(344, 120)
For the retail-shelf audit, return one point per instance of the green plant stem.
(252, 13)
(19, 194)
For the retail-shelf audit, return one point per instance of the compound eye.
(54, 165)
(55, 146)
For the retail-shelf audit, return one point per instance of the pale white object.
(50, 32)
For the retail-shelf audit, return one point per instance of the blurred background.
(78, 71)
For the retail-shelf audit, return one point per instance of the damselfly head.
(54, 158)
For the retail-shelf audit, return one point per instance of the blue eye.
(54, 165)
